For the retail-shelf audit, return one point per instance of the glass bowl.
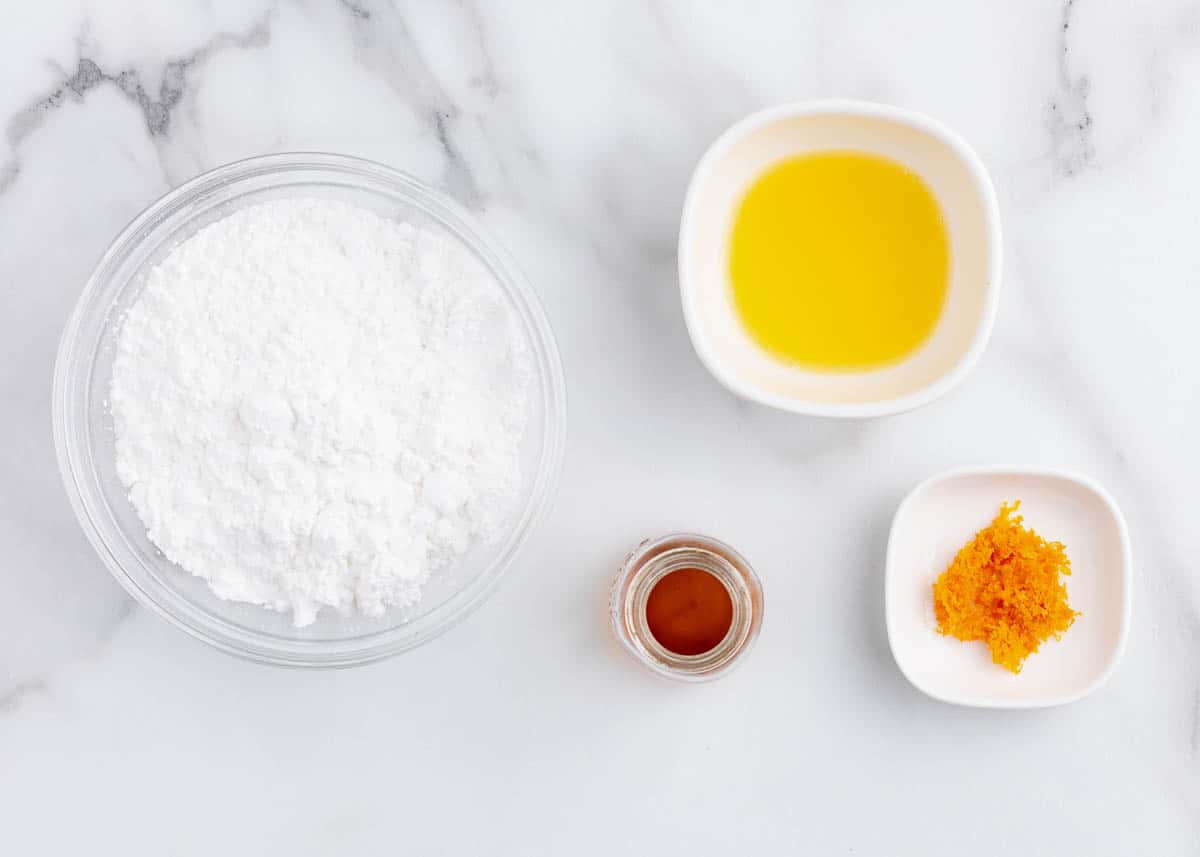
(83, 431)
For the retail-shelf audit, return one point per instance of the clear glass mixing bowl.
(84, 438)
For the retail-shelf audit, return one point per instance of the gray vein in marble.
(1070, 120)
(125, 611)
(488, 81)
(13, 698)
(408, 74)
(1195, 742)
(722, 95)
(356, 10)
(156, 111)
(702, 93)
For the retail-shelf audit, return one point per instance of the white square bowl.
(944, 513)
(964, 193)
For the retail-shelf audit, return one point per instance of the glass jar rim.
(649, 563)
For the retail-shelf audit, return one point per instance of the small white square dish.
(959, 182)
(941, 515)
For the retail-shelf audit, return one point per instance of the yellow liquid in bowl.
(839, 260)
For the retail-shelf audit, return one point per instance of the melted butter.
(839, 260)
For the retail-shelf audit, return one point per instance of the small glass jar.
(653, 560)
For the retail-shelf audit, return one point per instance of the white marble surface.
(571, 129)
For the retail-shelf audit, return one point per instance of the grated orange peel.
(1005, 588)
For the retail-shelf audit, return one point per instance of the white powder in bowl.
(316, 406)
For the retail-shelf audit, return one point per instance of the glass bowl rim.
(84, 491)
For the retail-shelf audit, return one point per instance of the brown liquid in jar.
(689, 611)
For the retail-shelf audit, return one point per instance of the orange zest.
(1005, 589)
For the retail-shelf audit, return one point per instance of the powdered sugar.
(315, 406)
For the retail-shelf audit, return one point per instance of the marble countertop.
(571, 130)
